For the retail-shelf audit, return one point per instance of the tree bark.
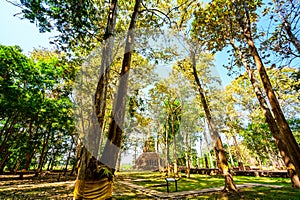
(101, 180)
(88, 163)
(272, 123)
(168, 171)
(157, 151)
(118, 166)
(3, 161)
(7, 134)
(206, 161)
(229, 152)
(69, 156)
(238, 152)
(174, 148)
(187, 157)
(218, 146)
(43, 153)
(112, 146)
(286, 135)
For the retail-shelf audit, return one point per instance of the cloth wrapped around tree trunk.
(93, 189)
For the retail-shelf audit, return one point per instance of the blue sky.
(15, 31)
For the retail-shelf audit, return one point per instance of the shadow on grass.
(51, 192)
(255, 193)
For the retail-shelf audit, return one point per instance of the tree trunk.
(207, 143)
(206, 161)
(218, 146)
(229, 152)
(174, 148)
(238, 153)
(187, 157)
(3, 161)
(69, 156)
(29, 157)
(293, 38)
(168, 170)
(85, 181)
(201, 154)
(286, 136)
(43, 153)
(118, 166)
(157, 151)
(50, 162)
(16, 166)
(112, 146)
(91, 182)
(272, 123)
(7, 134)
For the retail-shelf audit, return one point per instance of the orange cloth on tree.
(93, 189)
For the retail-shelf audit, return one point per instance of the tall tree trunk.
(118, 166)
(43, 153)
(187, 156)
(112, 146)
(271, 157)
(7, 134)
(174, 148)
(77, 155)
(201, 153)
(286, 136)
(93, 183)
(218, 146)
(157, 151)
(272, 123)
(238, 152)
(29, 157)
(16, 166)
(3, 161)
(229, 152)
(168, 170)
(85, 182)
(69, 156)
(206, 161)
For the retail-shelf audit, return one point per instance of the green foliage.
(80, 24)
(36, 108)
(258, 138)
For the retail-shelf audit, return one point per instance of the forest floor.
(52, 186)
(55, 186)
(47, 186)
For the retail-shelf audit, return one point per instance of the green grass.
(255, 193)
(156, 181)
(262, 180)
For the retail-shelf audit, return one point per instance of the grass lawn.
(47, 187)
(255, 193)
(156, 181)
